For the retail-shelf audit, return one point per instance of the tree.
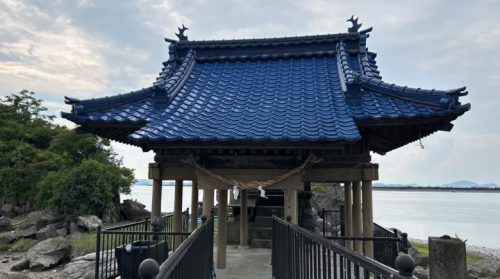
(54, 167)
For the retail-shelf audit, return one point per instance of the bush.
(318, 188)
(83, 244)
(89, 188)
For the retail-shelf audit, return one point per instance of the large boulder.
(48, 253)
(29, 232)
(47, 232)
(7, 210)
(40, 218)
(21, 264)
(133, 210)
(5, 224)
(89, 222)
(81, 267)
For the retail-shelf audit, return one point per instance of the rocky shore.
(482, 262)
(39, 244)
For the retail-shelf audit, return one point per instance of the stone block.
(447, 258)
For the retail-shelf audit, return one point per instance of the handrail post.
(405, 242)
(97, 251)
(324, 222)
(405, 265)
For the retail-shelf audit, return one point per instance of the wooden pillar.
(368, 217)
(178, 212)
(208, 202)
(194, 204)
(231, 196)
(291, 204)
(155, 174)
(348, 213)
(222, 229)
(357, 229)
(244, 218)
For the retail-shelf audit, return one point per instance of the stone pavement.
(245, 263)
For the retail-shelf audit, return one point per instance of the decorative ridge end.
(355, 25)
(70, 100)
(181, 35)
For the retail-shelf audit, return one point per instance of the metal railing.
(299, 253)
(333, 222)
(386, 244)
(193, 258)
(120, 249)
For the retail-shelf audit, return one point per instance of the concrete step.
(263, 222)
(267, 210)
(262, 233)
(261, 243)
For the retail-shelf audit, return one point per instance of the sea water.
(471, 216)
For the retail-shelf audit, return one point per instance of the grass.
(21, 245)
(318, 188)
(83, 243)
(474, 257)
(423, 249)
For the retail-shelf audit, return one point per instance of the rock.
(5, 224)
(7, 210)
(133, 210)
(48, 253)
(18, 210)
(12, 275)
(46, 232)
(8, 238)
(62, 232)
(89, 222)
(80, 267)
(40, 218)
(412, 252)
(421, 273)
(29, 232)
(73, 228)
(421, 260)
(21, 264)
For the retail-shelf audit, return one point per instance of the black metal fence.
(120, 249)
(299, 253)
(193, 258)
(333, 222)
(386, 244)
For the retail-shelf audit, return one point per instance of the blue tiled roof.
(292, 99)
(285, 89)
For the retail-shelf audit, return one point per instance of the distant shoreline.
(437, 189)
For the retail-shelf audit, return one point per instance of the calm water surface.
(471, 216)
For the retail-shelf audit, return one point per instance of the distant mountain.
(457, 184)
(143, 182)
(149, 182)
(469, 184)
(378, 184)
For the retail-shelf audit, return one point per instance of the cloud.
(38, 51)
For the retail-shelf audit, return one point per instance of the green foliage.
(83, 243)
(318, 188)
(422, 248)
(52, 166)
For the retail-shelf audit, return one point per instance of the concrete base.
(447, 258)
(246, 263)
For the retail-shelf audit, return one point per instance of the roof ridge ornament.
(355, 25)
(181, 35)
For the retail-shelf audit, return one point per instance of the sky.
(96, 48)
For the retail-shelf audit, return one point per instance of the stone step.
(262, 233)
(261, 243)
(263, 222)
(267, 210)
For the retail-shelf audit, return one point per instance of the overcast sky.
(97, 48)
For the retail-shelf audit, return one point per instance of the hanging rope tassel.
(311, 159)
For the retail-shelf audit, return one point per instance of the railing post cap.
(289, 218)
(148, 269)
(405, 264)
(203, 218)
